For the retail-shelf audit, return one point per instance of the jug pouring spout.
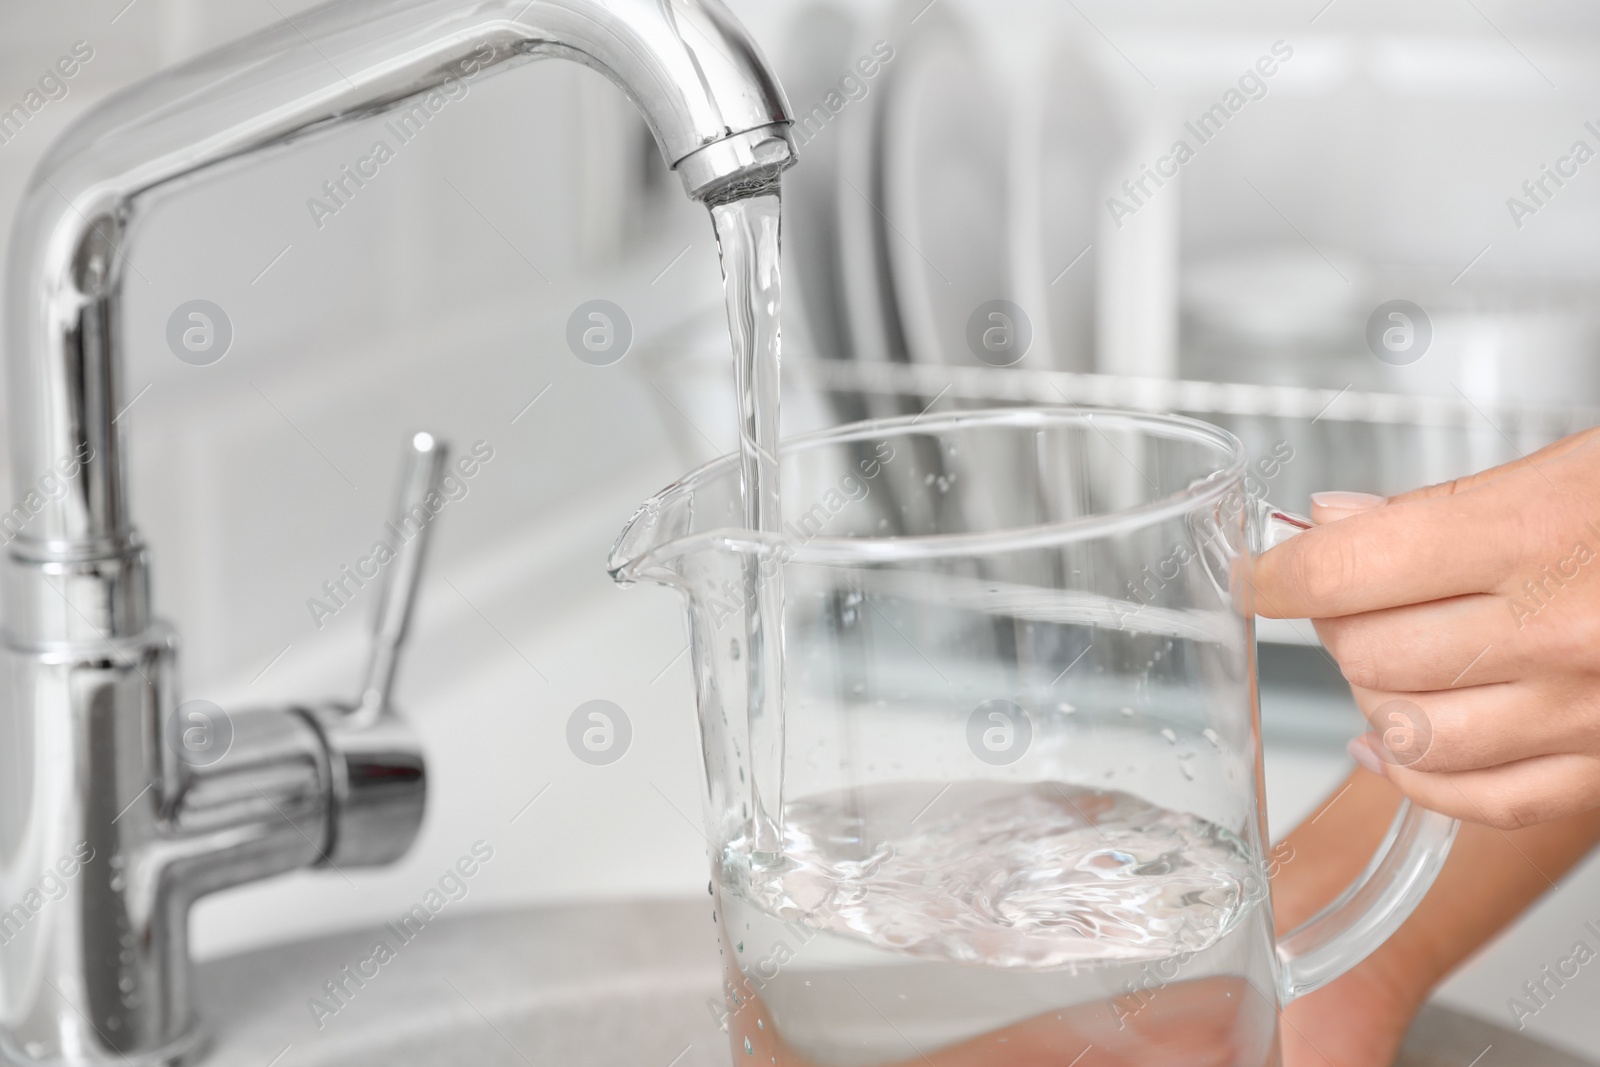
(637, 554)
(697, 518)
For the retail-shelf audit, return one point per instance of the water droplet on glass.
(1126, 712)
(1211, 735)
(749, 1049)
(1170, 734)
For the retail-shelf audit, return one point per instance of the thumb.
(1549, 453)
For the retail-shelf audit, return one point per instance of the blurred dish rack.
(1347, 439)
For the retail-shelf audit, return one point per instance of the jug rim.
(834, 551)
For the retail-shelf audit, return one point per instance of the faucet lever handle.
(425, 465)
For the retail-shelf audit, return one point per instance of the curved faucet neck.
(714, 106)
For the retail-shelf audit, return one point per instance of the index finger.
(1406, 552)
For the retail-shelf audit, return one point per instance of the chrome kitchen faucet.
(89, 774)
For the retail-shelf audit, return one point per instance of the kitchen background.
(1375, 163)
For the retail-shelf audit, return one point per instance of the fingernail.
(1340, 501)
(1362, 752)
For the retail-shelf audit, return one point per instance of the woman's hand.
(1466, 618)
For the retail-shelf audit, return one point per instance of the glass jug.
(1011, 809)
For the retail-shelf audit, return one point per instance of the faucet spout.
(717, 112)
(96, 804)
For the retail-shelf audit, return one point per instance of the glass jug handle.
(1372, 908)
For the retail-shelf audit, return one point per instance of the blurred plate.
(946, 187)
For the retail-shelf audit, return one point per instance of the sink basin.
(604, 985)
(624, 984)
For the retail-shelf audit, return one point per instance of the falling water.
(748, 233)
